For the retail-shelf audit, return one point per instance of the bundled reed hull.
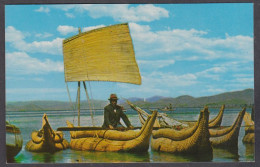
(249, 129)
(14, 141)
(227, 137)
(135, 142)
(216, 122)
(194, 140)
(106, 134)
(46, 140)
(160, 122)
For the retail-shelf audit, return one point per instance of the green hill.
(230, 99)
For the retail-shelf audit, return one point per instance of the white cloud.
(34, 90)
(13, 35)
(70, 15)
(17, 40)
(64, 29)
(43, 35)
(159, 83)
(22, 63)
(155, 64)
(213, 73)
(191, 44)
(120, 12)
(43, 10)
(92, 27)
(22, 78)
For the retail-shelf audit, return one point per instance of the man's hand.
(110, 127)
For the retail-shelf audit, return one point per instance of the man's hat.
(113, 97)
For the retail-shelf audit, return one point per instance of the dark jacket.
(113, 118)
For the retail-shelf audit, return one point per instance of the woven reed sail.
(104, 54)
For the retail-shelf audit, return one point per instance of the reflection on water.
(244, 152)
(226, 155)
(168, 157)
(249, 153)
(90, 156)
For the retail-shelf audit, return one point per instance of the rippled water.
(29, 121)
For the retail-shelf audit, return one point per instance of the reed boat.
(46, 139)
(216, 122)
(103, 54)
(227, 137)
(14, 141)
(167, 108)
(163, 120)
(112, 140)
(249, 128)
(194, 140)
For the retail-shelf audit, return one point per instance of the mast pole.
(90, 108)
(78, 103)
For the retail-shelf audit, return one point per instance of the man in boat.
(113, 113)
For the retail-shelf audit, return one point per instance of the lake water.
(29, 121)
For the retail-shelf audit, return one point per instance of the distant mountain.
(230, 99)
(154, 98)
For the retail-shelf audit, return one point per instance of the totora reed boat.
(46, 140)
(249, 128)
(227, 137)
(113, 140)
(103, 54)
(216, 122)
(163, 120)
(14, 141)
(194, 140)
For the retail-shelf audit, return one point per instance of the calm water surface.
(29, 121)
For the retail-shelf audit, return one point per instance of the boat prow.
(249, 129)
(216, 122)
(132, 142)
(227, 137)
(46, 139)
(14, 141)
(194, 140)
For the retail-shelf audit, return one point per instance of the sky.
(181, 49)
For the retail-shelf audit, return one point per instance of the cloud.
(70, 15)
(65, 29)
(22, 63)
(17, 40)
(43, 10)
(159, 83)
(43, 35)
(92, 27)
(34, 90)
(155, 64)
(191, 43)
(212, 73)
(13, 35)
(120, 12)
(28, 94)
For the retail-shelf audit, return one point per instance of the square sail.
(104, 54)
